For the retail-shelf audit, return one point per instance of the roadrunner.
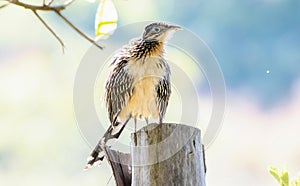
(138, 86)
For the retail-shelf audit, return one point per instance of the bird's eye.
(156, 29)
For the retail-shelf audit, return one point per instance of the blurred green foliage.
(282, 177)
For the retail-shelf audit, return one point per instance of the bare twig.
(57, 9)
(50, 29)
(109, 180)
(78, 30)
(50, 2)
(3, 6)
(35, 7)
(67, 3)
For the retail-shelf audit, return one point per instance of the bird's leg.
(160, 120)
(135, 124)
(147, 121)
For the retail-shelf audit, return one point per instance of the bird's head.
(159, 31)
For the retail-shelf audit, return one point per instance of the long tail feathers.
(94, 159)
(97, 155)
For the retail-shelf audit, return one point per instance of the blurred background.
(257, 45)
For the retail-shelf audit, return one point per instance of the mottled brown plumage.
(138, 86)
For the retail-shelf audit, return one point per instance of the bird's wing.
(163, 90)
(118, 89)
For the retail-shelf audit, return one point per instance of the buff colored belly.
(142, 103)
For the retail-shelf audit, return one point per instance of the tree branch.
(43, 8)
(50, 29)
(57, 9)
(78, 30)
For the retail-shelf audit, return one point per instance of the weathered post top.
(166, 154)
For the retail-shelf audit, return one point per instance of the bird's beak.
(175, 27)
(168, 32)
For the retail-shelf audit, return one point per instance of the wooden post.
(121, 166)
(167, 154)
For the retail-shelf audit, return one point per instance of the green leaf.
(297, 182)
(285, 178)
(106, 19)
(275, 174)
